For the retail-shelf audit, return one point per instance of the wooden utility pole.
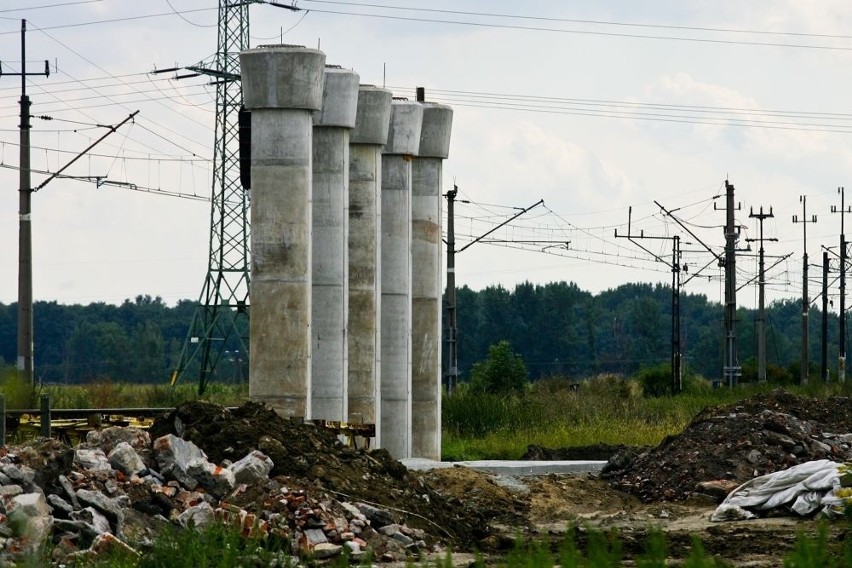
(25, 364)
(804, 357)
(761, 309)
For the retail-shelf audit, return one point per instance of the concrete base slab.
(509, 467)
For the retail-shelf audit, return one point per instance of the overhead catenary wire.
(46, 6)
(581, 21)
(122, 105)
(481, 24)
(488, 24)
(147, 158)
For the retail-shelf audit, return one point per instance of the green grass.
(107, 394)
(604, 409)
(221, 547)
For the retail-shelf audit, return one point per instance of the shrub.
(502, 372)
(696, 384)
(607, 385)
(656, 380)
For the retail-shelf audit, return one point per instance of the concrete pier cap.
(339, 98)
(373, 116)
(282, 76)
(405, 126)
(436, 130)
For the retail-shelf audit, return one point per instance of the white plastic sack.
(805, 487)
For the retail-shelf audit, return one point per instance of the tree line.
(561, 330)
(139, 341)
(557, 328)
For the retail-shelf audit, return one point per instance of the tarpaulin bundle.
(803, 488)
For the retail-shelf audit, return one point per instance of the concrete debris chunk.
(174, 455)
(253, 468)
(314, 537)
(61, 507)
(70, 492)
(92, 459)
(104, 504)
(93, 520)
(326, 550)
(215, 479)
(19, 474)
(10, 491)
(198, 516)
(125, 459)
(31, 504)
(29, 516)
(107, 544)
(377, 517)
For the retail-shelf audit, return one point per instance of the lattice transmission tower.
(220, 323)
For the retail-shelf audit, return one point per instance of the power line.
(592, 105)
(583, 32)
(133, 92)
(101, 181)
(90, 62)
(149, 158)
(181, 13)
(116, 20)
(57, 5)
(579, 21)
(653, 117)
(187, 20)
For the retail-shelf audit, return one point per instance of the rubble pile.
(312, 457)
(726, 446)
(265, 476)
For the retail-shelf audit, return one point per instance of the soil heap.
(314, 459)
(725, 446)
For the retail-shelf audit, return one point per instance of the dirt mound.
(312, 457)
(596, 452)
(732, 444)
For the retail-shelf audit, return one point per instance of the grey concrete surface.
(365, 180)
(282, 86)
(403, 142)
(509, 467)
(426, 245)
(330, 224)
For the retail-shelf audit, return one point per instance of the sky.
(597, 108)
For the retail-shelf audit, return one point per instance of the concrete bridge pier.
(282, 87)
(330, 222)
(426, 244)
(365, 182)
(402, 145)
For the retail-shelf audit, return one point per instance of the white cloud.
(783, 138)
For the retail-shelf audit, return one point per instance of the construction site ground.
(321, 493)
(673, 487)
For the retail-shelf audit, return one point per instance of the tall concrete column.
(403, 143)
(329, 399)
(426, 184)
(365, 182)
(282, 87)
